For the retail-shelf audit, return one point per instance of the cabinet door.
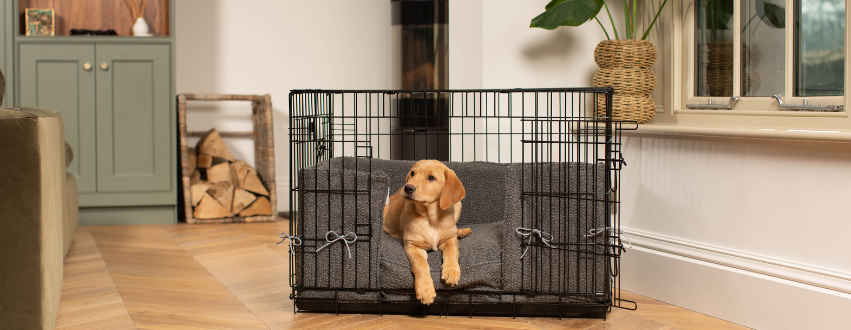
(53, 76)
(133, 107)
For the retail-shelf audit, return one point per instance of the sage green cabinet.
(116, 95)
(53, 76)
(133, 151)
(116, 103)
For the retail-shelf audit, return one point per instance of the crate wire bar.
(568, 161)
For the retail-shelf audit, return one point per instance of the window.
(756, 49)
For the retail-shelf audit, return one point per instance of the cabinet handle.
(104, 66)
(87, 66)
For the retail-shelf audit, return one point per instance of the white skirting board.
(735, 287)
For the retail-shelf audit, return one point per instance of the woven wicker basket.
(719, 69)
(626, 65)
(264, 150)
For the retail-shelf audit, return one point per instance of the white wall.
(465, 44)
(754, 232)
(273, 46)
(515, 55)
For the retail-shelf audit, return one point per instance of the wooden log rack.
(264, 150)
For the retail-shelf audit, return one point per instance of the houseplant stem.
(644, 37)
(634, 18)
(604, 29)
(628, 20)
(615, 29)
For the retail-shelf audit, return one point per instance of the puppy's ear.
(453, 192)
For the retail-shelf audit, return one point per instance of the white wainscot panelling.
(752, 231)
(779, 199)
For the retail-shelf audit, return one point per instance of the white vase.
(140, 28)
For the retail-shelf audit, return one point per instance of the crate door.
(336, 202)
(566, 201)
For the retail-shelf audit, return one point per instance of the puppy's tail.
(464, 232)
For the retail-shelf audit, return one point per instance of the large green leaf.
(567, 13)
(553, 3)
(775, 14)
(718, 13)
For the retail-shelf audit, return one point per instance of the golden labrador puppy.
(423, 214)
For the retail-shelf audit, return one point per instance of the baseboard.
(106, 216)
(754, 291)
(806, 274)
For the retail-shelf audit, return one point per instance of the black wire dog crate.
(541, 173)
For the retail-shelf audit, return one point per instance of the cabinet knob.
(87, 66)
(104, 66)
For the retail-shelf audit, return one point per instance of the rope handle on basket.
(597, 231)
(347, 238)
(293, 241)
(529, 232)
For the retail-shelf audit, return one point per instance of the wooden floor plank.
(252, 271)
(234, 276)
(90, 299)
(163, 285)
(629, 321)
(677, 317)
(458, 322)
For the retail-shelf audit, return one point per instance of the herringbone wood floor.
(233, 276)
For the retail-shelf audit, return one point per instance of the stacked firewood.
(221, 186)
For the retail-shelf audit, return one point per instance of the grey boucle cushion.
(342, 201)
(562, 199)
(480, 266)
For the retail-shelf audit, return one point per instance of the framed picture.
(40, 21)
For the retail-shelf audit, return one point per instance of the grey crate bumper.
(347, 194)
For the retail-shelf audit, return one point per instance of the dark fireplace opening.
(421, 65)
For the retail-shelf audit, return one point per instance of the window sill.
(818, 135)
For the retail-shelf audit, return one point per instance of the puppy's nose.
(410, 189)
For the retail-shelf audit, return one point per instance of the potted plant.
(625, 64)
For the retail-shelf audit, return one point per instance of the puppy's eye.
(431, 178)
(412, 173)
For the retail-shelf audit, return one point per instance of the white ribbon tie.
(529, 232)
(347, 238)
(597, 231)
(293, 241)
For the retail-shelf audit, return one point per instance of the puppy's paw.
(425, 292)
(464, 232)
(451, 275)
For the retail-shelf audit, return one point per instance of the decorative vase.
(140, 28)
(626, 65)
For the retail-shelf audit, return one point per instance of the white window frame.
(675, 42)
